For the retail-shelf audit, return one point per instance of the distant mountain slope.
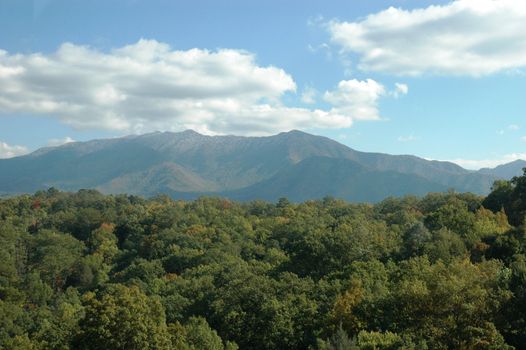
(506, 171)
(444, 173)
(294, 164)
(316, 177)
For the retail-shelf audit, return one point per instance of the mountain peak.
(294, 132)
(190, 132)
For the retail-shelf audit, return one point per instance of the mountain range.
(294, 164)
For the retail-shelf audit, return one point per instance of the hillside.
(506, 171)
(316, 177)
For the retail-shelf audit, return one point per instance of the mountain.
(506, 171)
(316, 177)
(187, 164)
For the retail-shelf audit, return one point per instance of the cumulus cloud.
(8, 151)
(464, 37)
(149, 86)
(400, 89)
(59, 142)
(476, 164)
(357, 98)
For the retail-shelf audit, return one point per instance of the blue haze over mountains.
(294, 164)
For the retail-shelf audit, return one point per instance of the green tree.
(510, 196)
(54, 254)
(122, 318)
(339, 341)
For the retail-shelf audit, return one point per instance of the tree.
(54, 254)
(102, 241)
(499, 197)
(415, 239)
(452, 306)
(510, 196)
(196, 334)
(122, 318)
(343, 312)
(339, 341)
(517, 207)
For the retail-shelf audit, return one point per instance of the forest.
(91, 271)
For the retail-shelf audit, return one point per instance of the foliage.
(88, 271)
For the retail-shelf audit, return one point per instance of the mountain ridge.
(189, 164)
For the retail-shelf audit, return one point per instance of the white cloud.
(356, 98)
(400, 89)
(523, 138)
(149, 86)
(309, 95)
(59, 142)
(464, 37)
(476, 164)
(408, 138)
(8, 151)
(514, 127)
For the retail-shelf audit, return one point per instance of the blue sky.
(441, 80)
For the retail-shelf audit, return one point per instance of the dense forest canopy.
(88, 271)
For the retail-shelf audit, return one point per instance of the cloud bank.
(464, 37)
(149, 86)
